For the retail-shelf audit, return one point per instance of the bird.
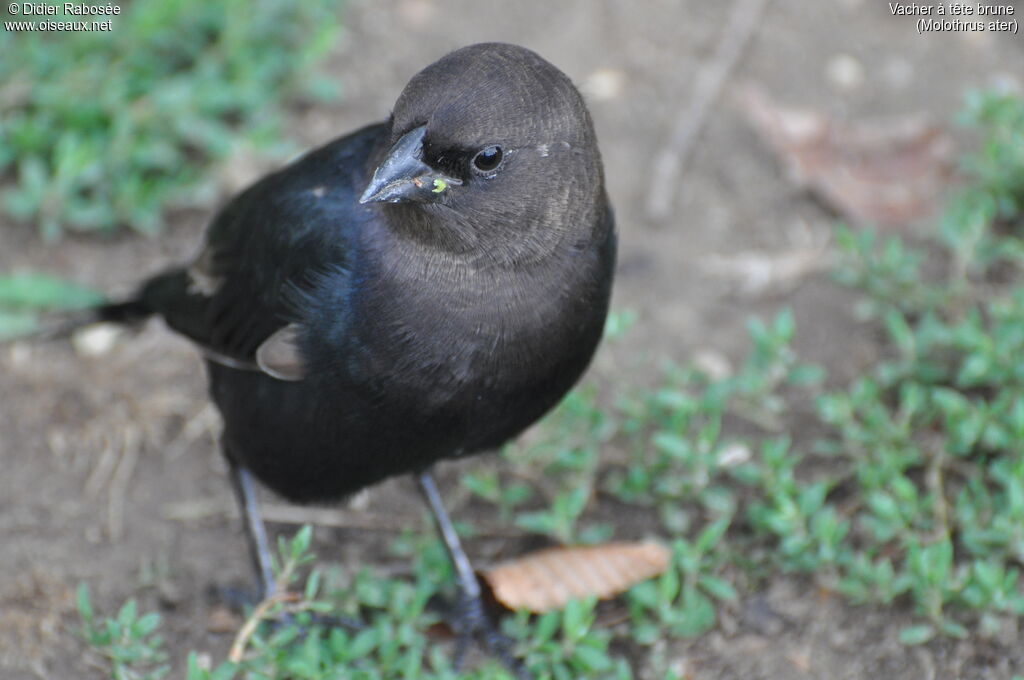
(424, 288)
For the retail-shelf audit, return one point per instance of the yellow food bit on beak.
(439, 185)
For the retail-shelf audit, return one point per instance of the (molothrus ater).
(424, 288)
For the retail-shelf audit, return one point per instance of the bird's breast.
(472, 339)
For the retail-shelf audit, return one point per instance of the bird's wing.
(268, 243)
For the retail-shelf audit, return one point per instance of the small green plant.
(284, 638)
(560, 467)
(679, 455)
(932, 436)
(565, 645)
(681, 601)
(810, 532)
(128, 641)
(487, 484)
(107, 128)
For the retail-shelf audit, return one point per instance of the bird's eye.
(488, 159)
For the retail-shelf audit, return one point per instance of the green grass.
(107, 129)
(26, 296)
(903, 488)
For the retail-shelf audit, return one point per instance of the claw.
(472, 623)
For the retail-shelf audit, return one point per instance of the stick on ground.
(671, 161)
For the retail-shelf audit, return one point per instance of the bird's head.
(490, 142)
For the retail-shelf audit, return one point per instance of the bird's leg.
(472, 621)
(259, 548)
(255, 532)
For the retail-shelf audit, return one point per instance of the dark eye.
(488, 159)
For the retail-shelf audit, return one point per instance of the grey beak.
(404, 177)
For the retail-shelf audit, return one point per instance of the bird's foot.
(472, 623)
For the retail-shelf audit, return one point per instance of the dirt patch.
(110, 472)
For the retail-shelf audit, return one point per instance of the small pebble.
(715, 364)
(204, 661)
(222, 620)
(603, 84)
(734, 454)
(96, 339)
(19, 353)
(845, 72)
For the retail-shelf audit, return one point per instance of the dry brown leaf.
(886, 171)
(546, 580)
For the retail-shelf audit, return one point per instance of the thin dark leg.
(256, 533)
(259, 548)
(463, 569)
(473, 621)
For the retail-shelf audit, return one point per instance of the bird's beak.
(404, 177)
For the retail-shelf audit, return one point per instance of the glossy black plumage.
(435, 327)
(423, 288)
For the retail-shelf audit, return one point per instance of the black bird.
(424, 288)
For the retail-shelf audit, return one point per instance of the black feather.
(427, 329)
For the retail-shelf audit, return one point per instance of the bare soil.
(109, 471)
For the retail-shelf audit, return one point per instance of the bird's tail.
(166, 294)
(62, 324)
(129, 311)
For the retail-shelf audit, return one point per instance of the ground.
(110, 472)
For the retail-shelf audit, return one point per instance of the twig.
(102, 469)
(926, 662)
(247, 630)
(205, 421)
(672, 159)
(119, 483)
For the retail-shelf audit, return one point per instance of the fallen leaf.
(546, 580)
(886, 171)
